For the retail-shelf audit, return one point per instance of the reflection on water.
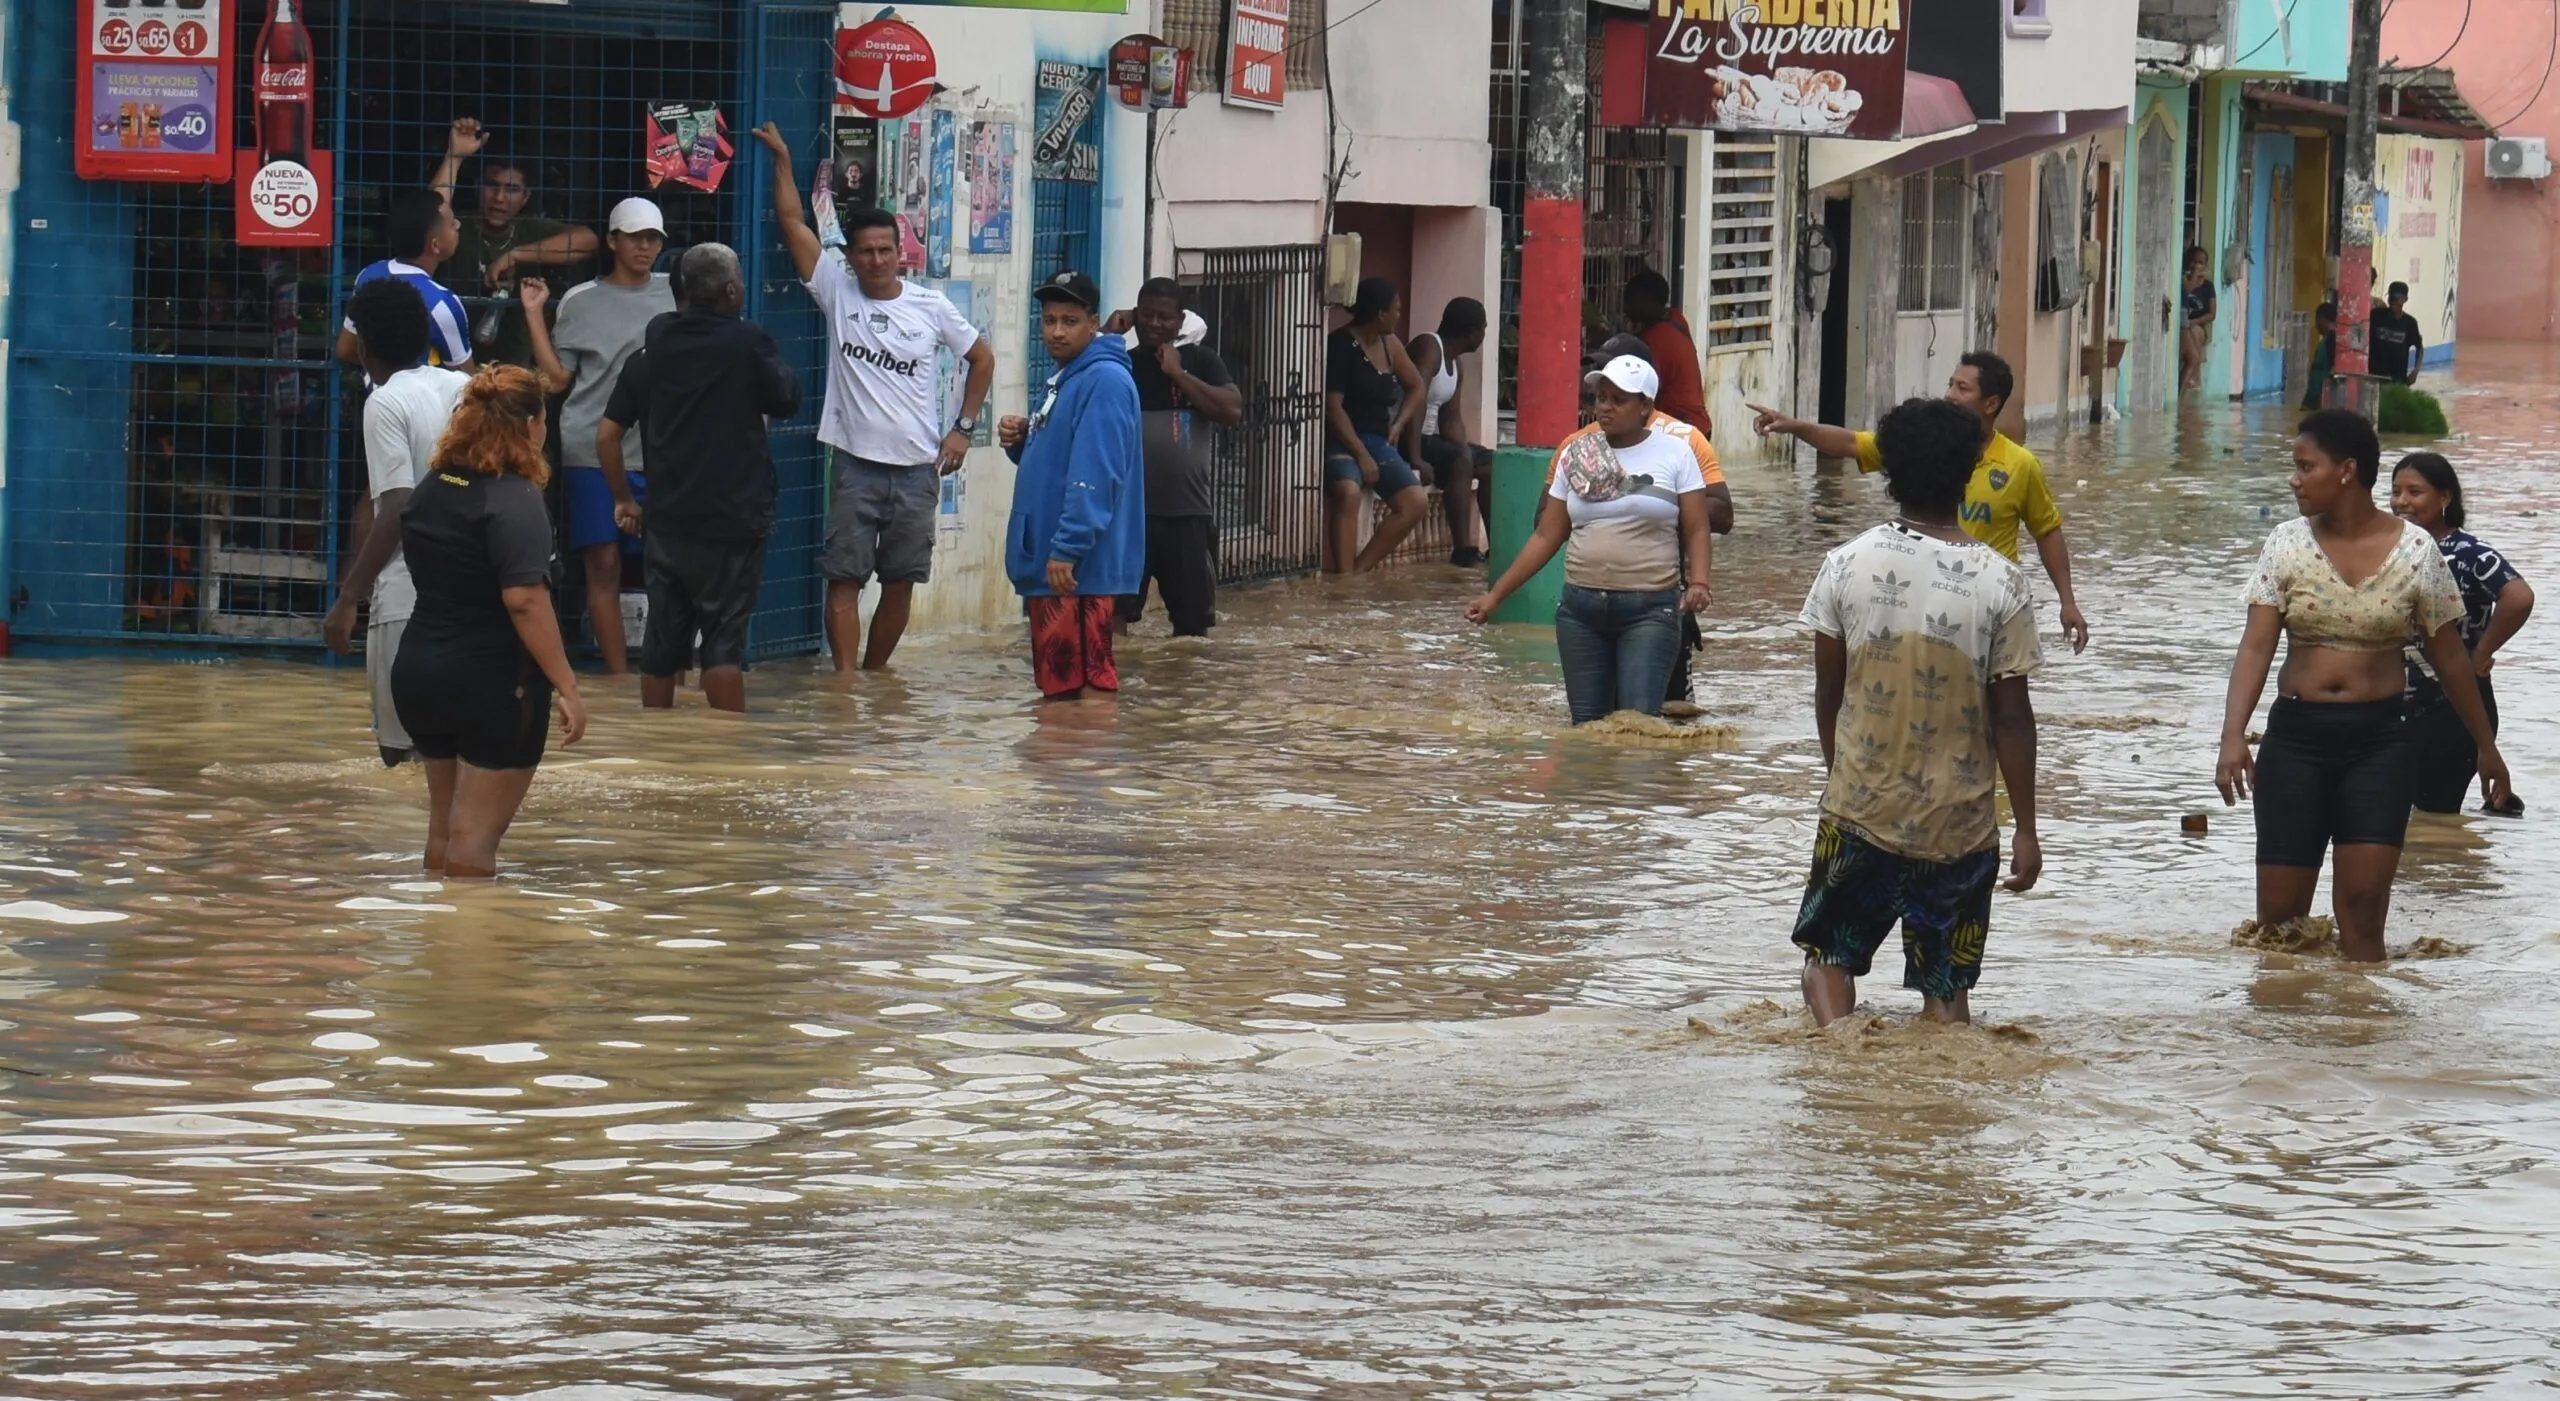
(1315, 1020)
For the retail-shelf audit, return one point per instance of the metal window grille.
(1742, 242)
(1933, 239)
(1508, 76)
(1265, 310)
(192, 461)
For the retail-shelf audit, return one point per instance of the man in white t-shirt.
(1923, 640)
(890, 443)
(403, 418)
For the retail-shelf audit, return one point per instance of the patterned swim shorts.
(1857, 890)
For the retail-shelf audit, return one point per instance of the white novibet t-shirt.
(403, 418)
(880, 376)
(1632, 543)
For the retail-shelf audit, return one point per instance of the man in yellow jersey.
(2008, 486)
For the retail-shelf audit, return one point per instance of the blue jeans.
(1618, 649)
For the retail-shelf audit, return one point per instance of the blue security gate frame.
(172, 449)
(790, 66)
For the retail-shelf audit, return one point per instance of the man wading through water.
(1923, 641)
(2008, 487)
(888, 443)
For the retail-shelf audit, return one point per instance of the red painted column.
(1549, 394)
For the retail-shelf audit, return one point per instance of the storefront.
(182, 456)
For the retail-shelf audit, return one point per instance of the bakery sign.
(1802, 67)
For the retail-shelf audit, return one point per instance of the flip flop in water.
(2514, 807)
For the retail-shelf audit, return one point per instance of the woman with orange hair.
(482, 660)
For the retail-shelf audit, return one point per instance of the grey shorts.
(381, 649)
(879, 521)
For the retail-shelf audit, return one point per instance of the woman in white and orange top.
(2334, 767)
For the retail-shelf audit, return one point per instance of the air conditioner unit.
(2519, 158)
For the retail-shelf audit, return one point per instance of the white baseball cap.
(1628, 373)
(636, 215)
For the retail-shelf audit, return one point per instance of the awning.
(2414, 103)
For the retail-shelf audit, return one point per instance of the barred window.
(1934, 239)
(1201, 26)
(1742, 242)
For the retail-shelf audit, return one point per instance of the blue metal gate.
(182, 446)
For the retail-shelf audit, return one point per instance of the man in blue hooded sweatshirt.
(1077, 538)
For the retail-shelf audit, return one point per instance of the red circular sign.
(191, 38)
(115, 36)
(152, 37)
(883, 69)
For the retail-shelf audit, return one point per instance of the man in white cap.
(601, 323)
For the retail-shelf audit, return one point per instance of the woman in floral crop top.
(2334, 768)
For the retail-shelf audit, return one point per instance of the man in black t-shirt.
(1182, 390)
(700, 387)
(2397, 347)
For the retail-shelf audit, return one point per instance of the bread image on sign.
(1798, 67)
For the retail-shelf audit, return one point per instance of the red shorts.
(1071, 644)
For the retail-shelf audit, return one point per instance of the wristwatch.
(965, 423)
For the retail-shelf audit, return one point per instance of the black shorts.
(698, 586)
(1182, 562)
(1442, 456)
(1857, 891)
(2443, 758)
(456, 705)
(2331, 772)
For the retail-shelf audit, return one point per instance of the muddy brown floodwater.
(1319, 1022)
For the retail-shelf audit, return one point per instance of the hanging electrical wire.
(2459, 31)
(2549, 58)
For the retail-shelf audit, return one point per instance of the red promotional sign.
(1257, 53)
(883, 69)
(154, 95)
(281, 204)
(280, 194)
(1148, 73)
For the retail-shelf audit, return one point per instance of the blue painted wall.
(68, 418)
(2292, 38)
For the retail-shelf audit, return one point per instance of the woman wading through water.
(2348, 586)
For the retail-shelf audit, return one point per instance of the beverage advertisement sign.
(1802, 67)
(154, 92)
(883, 69)
(1065, 99)
(280, 190)
(1258, 53)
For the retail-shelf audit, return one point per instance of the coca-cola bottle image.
(283, 88)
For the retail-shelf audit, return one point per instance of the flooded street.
(1318, 1021)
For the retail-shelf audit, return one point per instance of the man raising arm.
(2008, 488)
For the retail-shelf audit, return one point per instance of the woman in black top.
(2195, 304)
(1372, 396)
(482, 659)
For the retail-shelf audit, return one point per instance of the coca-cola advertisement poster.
(280, 192)
(1801, 67)
(154, 88)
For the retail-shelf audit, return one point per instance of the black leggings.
(2331, 771)
(2443, 756)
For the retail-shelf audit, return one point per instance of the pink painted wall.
(2510, 286)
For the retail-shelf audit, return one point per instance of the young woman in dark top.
(1371, 398)
(2196, 307)
(2495, 602)
(482, 660)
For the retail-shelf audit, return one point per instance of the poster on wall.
(1257, 53)
(154, 93)
(2417, 211)
(280, 187)
(910, 185)
(951, 373)
(990, 171)
(854, 161)
(1148, 74)
(1068, 93)
(937, 223)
